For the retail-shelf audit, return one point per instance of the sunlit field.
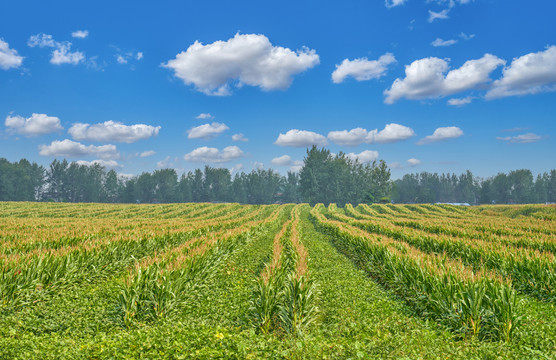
(277, 281)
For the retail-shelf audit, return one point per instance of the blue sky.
(426, 85)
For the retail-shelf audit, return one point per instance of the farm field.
(277, 281)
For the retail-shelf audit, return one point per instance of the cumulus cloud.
(393, 3)
(460, 102)
(529, 74)
(425, 78)
(80, 34)
(239, 137)
(37, 124)
(139, 55)
(72, 149)
(413, 162)
(109, 164)
(8, 57)
(120, 59)
(213, 155)
(112, 131)
(391, 133)
(438, 15)
(521, 139)
(364, 156)
(206, 131)
(62, 53)
(248, 59)
(124, 56)
(439, 42)
(442, 133)
(362, 69)
(300, 138)
(353, 137)
(395, 165)
(204, 116)
(147, 153)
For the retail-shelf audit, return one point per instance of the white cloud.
(257, 165)
(80, 34)
(68, 148)
(413, 162)
(147, 153)
(393, 3)
(120, 59)
(353, 137)
(424, 78)
(204, 116)
(139, 55)
(521, 139)
(236, 168)
(206, 131)
(460, 102)
(438, 15)
(213, 155)
(166, 163)
(442, 133)
(109, 164)
(395, 165)
(362, 69)
(112, 131)
(60, 55)
(364, 156)
(300, 138)
(37, 124)
(41, 40)
(529, 74)
(239, 137)
(391, 133)
(8, 57)
(464, 36)
(248, 59)
(282, 160)
(439, 42)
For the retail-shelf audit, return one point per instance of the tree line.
(323, 178)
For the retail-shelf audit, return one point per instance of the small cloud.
(121, 60)
(206, 131)
(113, 131)
(521, 139)
(72, 149)
(460, 102)
(164, 164)
(80, 34)
(257, 165)
(147, 153)
(438, 15)
(440, 134)
(236, 168)
(239, 137)
(61, 54)
(394, 3)
(213, 155)
(139, 55)
(364, 156)
(395, 165)
(300, 138)
(37, 124)
(413, 162)
(109, 164)
(439, 42)
(362, 69)
(204, 116)
(466, 37)
(9, 58)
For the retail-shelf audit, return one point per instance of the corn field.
(277, 281)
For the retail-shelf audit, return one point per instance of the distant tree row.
(323, 178)
(516, 187)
